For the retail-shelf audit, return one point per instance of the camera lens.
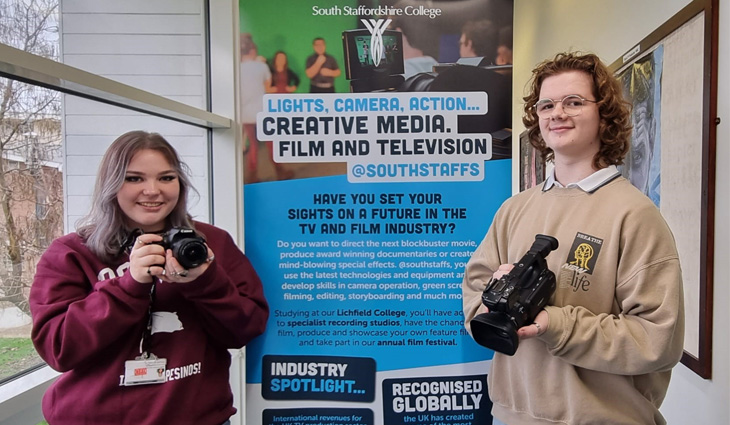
(192, 254)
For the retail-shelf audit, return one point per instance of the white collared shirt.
(589, 184)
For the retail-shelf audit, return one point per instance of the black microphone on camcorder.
(516, 298)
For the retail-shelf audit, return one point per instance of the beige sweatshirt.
(616, 324)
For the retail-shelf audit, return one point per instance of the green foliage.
(16, 355)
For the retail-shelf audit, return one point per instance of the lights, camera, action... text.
(393, 137)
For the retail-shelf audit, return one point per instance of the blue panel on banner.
(377, 267)
(442, 400)
(318, 378)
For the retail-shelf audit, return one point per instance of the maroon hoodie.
(89, 317)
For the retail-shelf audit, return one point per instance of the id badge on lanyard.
(144, 371)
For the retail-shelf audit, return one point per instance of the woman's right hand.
(147, 259)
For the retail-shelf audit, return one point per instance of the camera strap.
(128, 242)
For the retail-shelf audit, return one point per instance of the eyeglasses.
(572, 105)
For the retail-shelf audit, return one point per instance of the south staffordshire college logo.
(583, 253)
(376, 28)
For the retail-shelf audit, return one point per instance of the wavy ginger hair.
(614, 128)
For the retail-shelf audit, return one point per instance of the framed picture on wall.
(670, 78)
(641, 81)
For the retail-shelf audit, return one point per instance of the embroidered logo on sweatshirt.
(583, 253)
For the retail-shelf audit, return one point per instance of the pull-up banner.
(361, 216)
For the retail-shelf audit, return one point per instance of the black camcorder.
(515, 299)
(187, 247)
(371, 66)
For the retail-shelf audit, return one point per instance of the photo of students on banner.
(421, 54)
(395, 176)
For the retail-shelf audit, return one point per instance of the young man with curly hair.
(602, 350)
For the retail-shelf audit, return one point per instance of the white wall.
(543, 28)
(609, 29)
(690, 399)
(157, 46)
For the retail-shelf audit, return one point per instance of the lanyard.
(144, 345)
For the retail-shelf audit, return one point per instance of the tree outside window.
(31, 183)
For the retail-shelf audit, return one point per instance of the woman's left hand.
(536, 328)
(174, 272)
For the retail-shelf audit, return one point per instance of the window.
(31, 209)
(96, 99)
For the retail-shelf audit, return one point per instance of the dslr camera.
(187, 247)
(516, 298)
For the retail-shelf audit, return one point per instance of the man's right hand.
(503, 270)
